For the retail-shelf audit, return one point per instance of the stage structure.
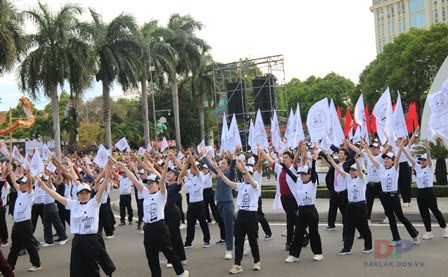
(243, 87)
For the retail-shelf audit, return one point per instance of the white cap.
(304, 169)
(250, 169)
(84, 186)
(423, 157)
(21, 180)
(153, 178)
(390, 155)
(353, 166)
(204, 166)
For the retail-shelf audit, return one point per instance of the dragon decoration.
(20, 123)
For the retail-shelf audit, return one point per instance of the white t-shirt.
(196, 188)
(38, 194)
(207, 180)
(340, 184)
(247, 199)
(356, 189)
(125, 185)
(425, 176)
(153, 206)
(306, 193)
(74, 190)
(5, 190)
(389, 179)
(106, 193)
(251, 160)
(47, 198)
(22, 207)
(258, 177)
(84, 218)
(373, 173)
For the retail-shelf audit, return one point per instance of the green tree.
(52, 57)
(407, 65)
(180, 34)
(119, 52)
(11, 36)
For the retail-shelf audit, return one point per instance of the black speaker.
(236, 99)
(265, 96)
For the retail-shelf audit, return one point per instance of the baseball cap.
(88, 178)
(21, 180)
(250, 169)
(353, 166)
(84, 186)
(389, 155)
(174, 170)
(153, 178)
(423, 157)
(304, 170)
(375, 144)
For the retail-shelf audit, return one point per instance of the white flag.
(290, 130)
(432, 133)
(298, 133)
(51, 167)
(224, 133)
(260, 136)
(180, 156)
(233, 137)
(400, 128)
(122, 144)
(357, 136)
(384, 117)
(276, 136)
(4, 150)
(251, 134)
(164, 145)
(317, 120)
(360, 118)
(438, 102)
(102, 156)
(334, 128)
(16, 154)
(149, 148)
(45, 152)
(36, 164)
(141, 151)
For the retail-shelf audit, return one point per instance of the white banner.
(384, 117)
(317, 120)
(400, 128)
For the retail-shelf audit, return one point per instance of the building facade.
(393, 17)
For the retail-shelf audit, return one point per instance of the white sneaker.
(186, 273)
(34, 268)
(416, 240)
(386, 220)
(169, 265)
(110, 237)
(184, 262)
(236, 269)
(182, 226)
(62, 242)
(246, 248)
(285, 233)
(291, 259)
(318, 257)
(445, 232)
(142, 232)
(46, 244)
(228, 255)
(427, 235)
(257, 267)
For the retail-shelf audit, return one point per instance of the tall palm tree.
(11, 36)
(180, 34)
(119, 55)
(159, 58)
(56, 50)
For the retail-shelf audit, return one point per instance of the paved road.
(126, 250)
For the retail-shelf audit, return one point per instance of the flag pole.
(10, 136)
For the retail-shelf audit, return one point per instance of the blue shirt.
(223, 191)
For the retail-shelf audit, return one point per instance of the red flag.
(338, 111)
(373, 123)
(348, 121)
(415, 116)
(409, 124)
(366, 113)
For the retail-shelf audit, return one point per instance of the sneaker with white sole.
(182, 226)
(256, 267)
(386, 220)
(445, 232)
(206, 245)
(236, 269)
(186, 273)
(330, 228)
(34, 268)
(228, 255)
(47, 244)
(318, 257)
(61, 242)
(246, 248)
(428, 235)
(268, 237)
(367, 250)
(416, 240)
(291, 259)
(344, 252)
(169, 265)
(110, 237)
(184, 262)
(285, 233)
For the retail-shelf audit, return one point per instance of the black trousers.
(289, 204)
(356, 217)
(125, 204)
(157, 237)
(196, 212)
(404, 182)
(372, 190)
(392, 208)
(3, 227)
(262, 219)
(307, 216)
(332, 209)
(37, 210)
(22, 237)
(172, 219)
(341, 200)
(104, 221)
(51, 217)
(246, 224)
(64, 214)
(181, 209)
(105, 262)
(209, 203)
(428, 202)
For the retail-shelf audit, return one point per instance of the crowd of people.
(76, 192)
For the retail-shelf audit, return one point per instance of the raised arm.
(41, 184)
(359, 168)
(369, 154)
(410, 158)
(224, 177)
(337, 167)
(131, 176)
(428, 153)
(397, 158)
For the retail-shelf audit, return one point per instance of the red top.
(284, 188)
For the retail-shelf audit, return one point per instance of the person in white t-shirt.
(247, 218)
(156, 232)
(426, 200)
(84, 218)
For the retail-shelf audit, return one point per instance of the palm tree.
(57, 49)
(11, 36)
(180, 34)
(160, 58)
(119, 55)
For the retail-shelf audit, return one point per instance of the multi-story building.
(393, 17)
